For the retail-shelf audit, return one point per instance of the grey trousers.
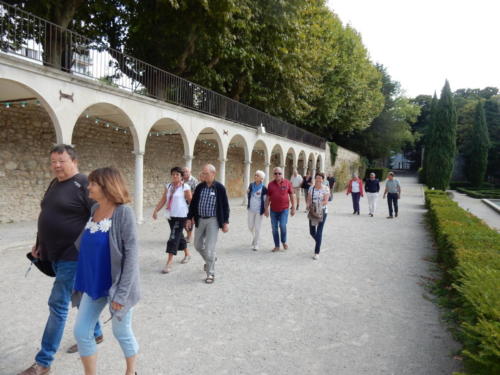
(205, 239)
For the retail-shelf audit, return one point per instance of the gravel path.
(360, 309)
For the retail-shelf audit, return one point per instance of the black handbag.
(44, 266)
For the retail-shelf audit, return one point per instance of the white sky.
(424, 42)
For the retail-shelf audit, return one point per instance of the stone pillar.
(222, 171)
(138, 193)
(246, 181)
(189, 161)
(267, 172)
(313, 173)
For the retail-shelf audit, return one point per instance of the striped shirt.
(206, 205)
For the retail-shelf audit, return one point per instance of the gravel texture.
(360, 309)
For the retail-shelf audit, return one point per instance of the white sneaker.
(316, 256)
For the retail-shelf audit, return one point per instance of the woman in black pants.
(177, 196)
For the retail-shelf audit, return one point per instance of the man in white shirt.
(296, 181)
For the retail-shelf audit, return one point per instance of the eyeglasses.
(275, 173)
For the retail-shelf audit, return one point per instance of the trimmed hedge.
(466, 184)
(469, 252)
(380, 173)
(481, 193)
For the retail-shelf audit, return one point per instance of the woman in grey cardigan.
(108, 269)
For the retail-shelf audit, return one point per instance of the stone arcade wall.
(346, 163)
(26, 136)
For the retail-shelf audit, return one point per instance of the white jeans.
(254, 222)
(372, 202)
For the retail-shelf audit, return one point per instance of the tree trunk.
(57, 43)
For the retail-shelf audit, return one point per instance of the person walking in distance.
(192, 182)
(317, 205)
(176, 196)
(331, 184)
(393, 193)
(296, 181)
(372, 188)
(209, 212)
(108, 269)
(307, 182)
(257, 194)
(281, 199)
(355, 188)
(65, 209)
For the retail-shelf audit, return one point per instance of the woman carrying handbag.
(317, 205)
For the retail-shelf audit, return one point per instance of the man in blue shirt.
(393, 192)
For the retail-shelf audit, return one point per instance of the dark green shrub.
(480, 193)
(421, 175)
(469, 253)
(333, 152)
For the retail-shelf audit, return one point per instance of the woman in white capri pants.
(372, 187)
(256, 197)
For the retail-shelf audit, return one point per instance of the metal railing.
(34, 38)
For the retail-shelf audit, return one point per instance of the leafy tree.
(477, 154)
(441, 144)
(428, 138)
(293, 59)
(86, 17)
(492, 115)
(390, 131)
(419, 129)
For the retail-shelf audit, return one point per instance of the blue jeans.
(317, 233)
(59, 300)
(392, 199)
(281, 219)
(88, 315)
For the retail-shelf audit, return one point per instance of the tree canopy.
(293, 59)
(390, 131)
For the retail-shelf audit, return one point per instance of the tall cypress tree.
(477, 159)
(442, 144)
(429, 136)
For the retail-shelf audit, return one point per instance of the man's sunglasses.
(277, 173)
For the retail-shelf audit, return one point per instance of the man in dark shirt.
(331, 183)
(372, 187)
(65, 209)
(209, 211)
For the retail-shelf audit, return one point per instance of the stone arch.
(259, 158)
(311, 163)
(290, 162)
(104, 135)
(14, 91)
(111, 116)
(165, 148)
(208, 148)
(319, 164)
(167, 126)
(236, 156)
(302, 163)
(277, 157)
(29, 128)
